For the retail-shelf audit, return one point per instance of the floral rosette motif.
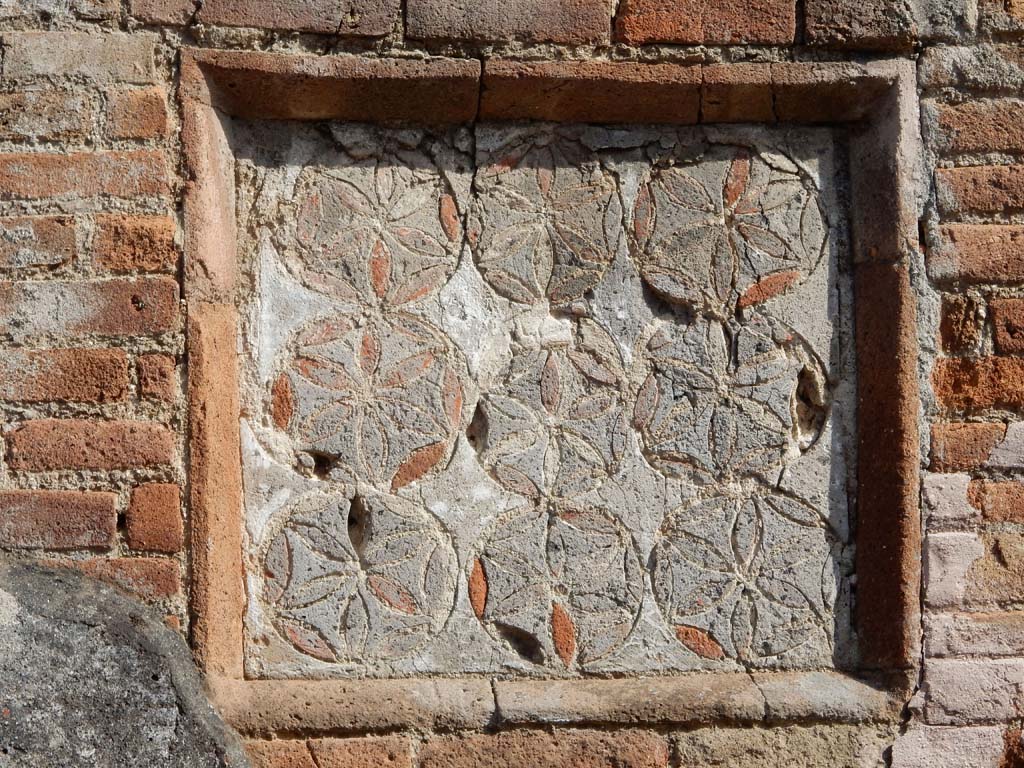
(547, 220)
(561, 586)
(723, 401)
(351, 580)
(381, 230)
(378, 399)
(554, 426)
(750, 578)
(731, 228)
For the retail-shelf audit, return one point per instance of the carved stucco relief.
(545, 400)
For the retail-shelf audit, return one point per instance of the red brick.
(982, 126)
(157, 377)
(136, 113)
(539, 21)
(36, 241)
(1008, 319)
(539, 749)
(387, 752)
(715, 22)
(999, 502)
(737, 93)
(45, 116)
(979, 253)
(590, 91)
(53, 444)
(967, 384)
(963, 446)
(148, 578)
(154, 518)
(126, 307)
(371, 18)
(31, 176)
(985, 189)
(959, 329)
(280, 753)
(72, 375)
(57, 520)
(132, 243)
(169, 12)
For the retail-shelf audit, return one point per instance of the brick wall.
(92, 366)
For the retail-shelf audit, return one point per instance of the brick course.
(73, 375)
(148, 578)
(57, 520)
(979, 253)
(53, 444)
(982, 126)
(32, 176)
(115, 57)
(570, 21)
(757, 22)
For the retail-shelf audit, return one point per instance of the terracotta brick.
(57, 520)
(154, 518)
(169, 12)
(1001, 16)
(36, 241)
(758, 22)
(388, 752)
(538, 749)
(999, 502)
(567, 21)
(157, 377)
(981, 126)
(882, 24)
(965, 384)
(31, 176)
(737, 93)
(1008, 320)
(124, 307)
(960, 447)
(148, 578)
(133, 243)
(48, 115)
(136, 113)
(53, 444)
(959, 327)
(280, 753)
(985, 189)
(590, 91)
(115, 57)
(978, 253)
(372, 18)
(72, 375)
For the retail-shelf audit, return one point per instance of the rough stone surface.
(453, 360)
(37, 241)
(569, 21)
(882, 25)
(785, 747)
(937, 747)
(362, 17)
(117, 57)
(90, 678)
(562, 749)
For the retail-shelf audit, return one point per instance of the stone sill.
(294, 707)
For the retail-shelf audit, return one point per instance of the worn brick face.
(57, 520)
(758, 22)
(116, 57)
(134, 243)
(979, 253)
(157, 377)
(982, 126)
(569, 21)
(52, 444)
(999, 502)
(562, 749)
(170, 12)
(1008, 320)
(154, 518)
(125, 307)
(360, 17)
(389, 752)
(31, 176)
(963, 446)
(36, 241)
(975, 384)
(72, 375)
(148, 578)
(959, 327)
(989, 189)
(136, 113)
(997, 576)
(45, 115)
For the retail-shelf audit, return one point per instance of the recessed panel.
(544, 401)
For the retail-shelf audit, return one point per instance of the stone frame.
(878, 100)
